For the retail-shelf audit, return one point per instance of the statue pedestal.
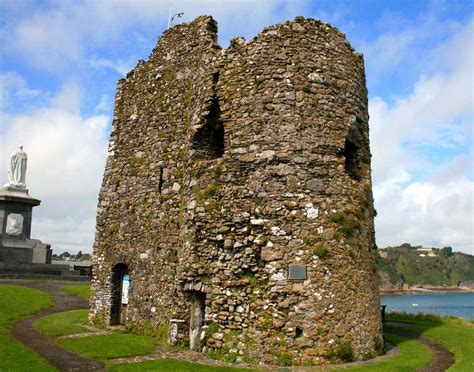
(16, 246)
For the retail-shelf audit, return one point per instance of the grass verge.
(81, 290)
(454, 333)
(412, 357)
(171, 365)
(117, 345)
(15, 303)
(61, 324)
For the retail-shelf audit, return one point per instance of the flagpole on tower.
(169, 15)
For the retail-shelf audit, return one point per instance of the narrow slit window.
(298, 332)
(160, 182)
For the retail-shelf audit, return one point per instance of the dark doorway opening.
(119, 301)
(196, 320)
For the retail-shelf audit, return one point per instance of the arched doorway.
(119, 294)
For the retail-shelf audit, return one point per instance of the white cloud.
(121, 66)
(45, 39)
(405, 44)
(67, 33)
(438, 103)
(426, 213)
(439, 114)
(69, 97)
(14, 87)
(66, 157)
(105, 104)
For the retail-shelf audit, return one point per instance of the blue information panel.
(125, 288)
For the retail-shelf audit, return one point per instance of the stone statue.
(17, 168)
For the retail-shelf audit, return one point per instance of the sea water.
(459, 304)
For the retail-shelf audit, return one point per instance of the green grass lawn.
(116, 345)
(61, 324)
(413, 356)
(172, 365)
(454, 333)
(81, 290)
(15, 303)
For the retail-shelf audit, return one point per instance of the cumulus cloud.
(426, 213)
(434, 209)
(68, 34)
(66, 156)
(120, 66)
(14, 87)
(406, 45)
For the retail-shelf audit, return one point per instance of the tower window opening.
(160, 182)
(350, 154)
(352, 150)
(298, 332)
(208, 142)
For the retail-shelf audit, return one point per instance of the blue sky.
(60, 61)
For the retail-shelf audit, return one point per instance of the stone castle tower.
(236, 209)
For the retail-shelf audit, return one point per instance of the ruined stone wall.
(140, 212)
(230, 169)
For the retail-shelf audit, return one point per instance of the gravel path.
(44, 345)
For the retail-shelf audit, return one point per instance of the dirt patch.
(44, 345)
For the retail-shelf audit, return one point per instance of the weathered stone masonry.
(237, 195)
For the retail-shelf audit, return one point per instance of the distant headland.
(408, 268)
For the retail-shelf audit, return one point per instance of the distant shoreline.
(415, 290)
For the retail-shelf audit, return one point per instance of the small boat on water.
(414, 305)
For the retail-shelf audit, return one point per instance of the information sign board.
(125, 288)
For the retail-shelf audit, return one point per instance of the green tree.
(447, 251)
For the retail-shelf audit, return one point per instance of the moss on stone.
(321, 251)
(284, 359)
(341, 353)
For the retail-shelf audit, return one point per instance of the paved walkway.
(44, 345)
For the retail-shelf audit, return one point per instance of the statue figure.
(17, 168)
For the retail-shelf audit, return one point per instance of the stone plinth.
(16, 247)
